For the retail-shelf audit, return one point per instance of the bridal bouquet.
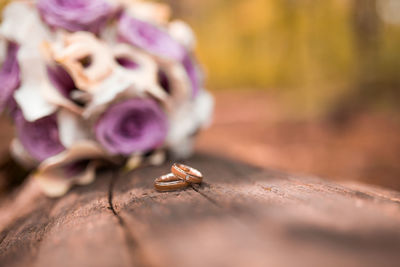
(91, 81)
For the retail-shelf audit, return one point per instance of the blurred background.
(306, 86)
(321, 55)
(309, 86)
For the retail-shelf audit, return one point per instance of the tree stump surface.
(241, 216)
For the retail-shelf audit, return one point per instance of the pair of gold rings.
(181, 176)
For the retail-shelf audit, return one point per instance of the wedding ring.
(169, 182)
(186, 173)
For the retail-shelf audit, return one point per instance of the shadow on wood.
(241, 216)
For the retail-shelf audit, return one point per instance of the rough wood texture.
(241, 216)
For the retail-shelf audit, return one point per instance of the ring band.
(186, 173)
(169, 182)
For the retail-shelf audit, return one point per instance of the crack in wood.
(3, 237)
(113, 181)
(132, 243)
(213, 201)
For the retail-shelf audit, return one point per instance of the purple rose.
(9, 76)
(134, 125)
(76, 15)
(39, 138)
(158, 42)
(149, 38)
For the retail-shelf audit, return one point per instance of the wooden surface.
(241, 216)
(364, 147)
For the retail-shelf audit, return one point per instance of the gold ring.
(186, 173)
(169, 182)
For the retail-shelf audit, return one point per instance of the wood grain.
(241, 216)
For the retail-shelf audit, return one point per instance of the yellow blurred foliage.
(306, 51)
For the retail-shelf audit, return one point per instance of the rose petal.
(3, 49)
(143, 77)
(109, 35)
(31, 95)
(150, 11)
(78, 46)
(175, 82)
(76, 15)
(150, 38)
(182, 32)
(72, 128)
(158, 157)
(19, 153)
(81, 150)
(61, 80)
(108, 91)
(88, 176)
(62, 90)
(9, 76)
(21, 23)
(133, 162)
(134, 125)
(127, 82)
(193, 73)
(50, 185)
(56, 182)
(185, 78)
(40, 138)
(58, 174)
(32, 103)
